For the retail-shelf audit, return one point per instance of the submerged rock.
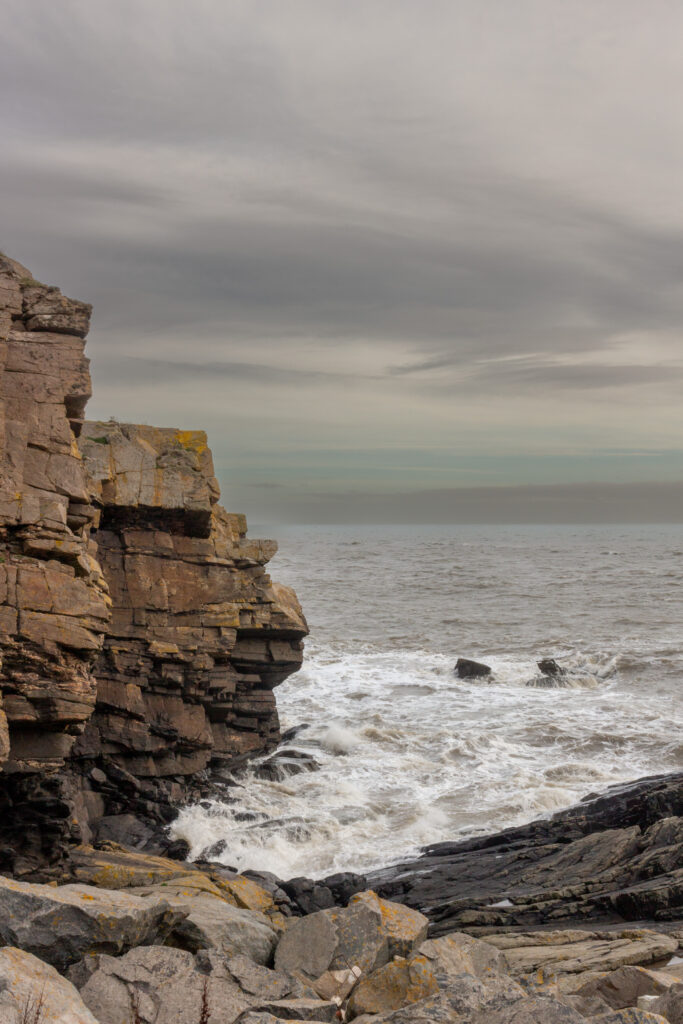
(284, 763)
(549, 667)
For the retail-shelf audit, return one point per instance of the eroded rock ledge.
(140, 635)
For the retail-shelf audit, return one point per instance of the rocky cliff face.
(140, 635)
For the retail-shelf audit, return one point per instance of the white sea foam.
(409, 753)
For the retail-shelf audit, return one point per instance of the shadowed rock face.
(140, 636)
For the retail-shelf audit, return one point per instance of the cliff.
(140, 635)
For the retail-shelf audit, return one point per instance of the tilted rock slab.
(61, 924)
(32, 992)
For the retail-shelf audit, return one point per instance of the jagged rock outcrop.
(140, 636)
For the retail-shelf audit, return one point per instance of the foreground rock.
(171, 986)
(616, 857)
(465, 668)
(32, 992)
(61, 924)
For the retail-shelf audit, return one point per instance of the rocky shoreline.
(141, 639)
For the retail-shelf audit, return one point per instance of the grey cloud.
(398, 196)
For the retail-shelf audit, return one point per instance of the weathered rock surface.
(140, 636)
(465, 668)
(170, 986)
(393, 986)
(575, 952)
(61, 924)
(616, 857)
(670, 1005)
(32, 992)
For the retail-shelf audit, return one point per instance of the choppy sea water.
(410, 754)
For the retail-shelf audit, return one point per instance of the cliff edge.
(140, 635)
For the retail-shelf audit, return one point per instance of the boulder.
(623, 987)
(208, 921)
(465, 668)
(61, 924)
(670, 1005)
(117, 868)
(31, 992)
(333, 940)
(549, 667)
(284, 763)
(395, 985)
(458, 953)
(162, 985)
(404, 928)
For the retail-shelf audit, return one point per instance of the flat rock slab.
(32, 992)
(61, 924)
(575, 951)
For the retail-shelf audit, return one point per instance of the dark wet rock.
(214, 851)
(308, 895)
(465, 668)
(284, 763)
(126, 829)
(549, 667)
(290, 734)
(611, 858)
(179, 849)
(344, 885)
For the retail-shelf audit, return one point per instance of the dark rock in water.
(612, 858)
(214, 851)
(179, 849)
(308, 895)
(344, 885)
(549, 667)
(289, 734)
(283, 763)
(467, 669)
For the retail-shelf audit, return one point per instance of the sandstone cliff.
(140, 636)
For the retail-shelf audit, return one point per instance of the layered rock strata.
(140, 636)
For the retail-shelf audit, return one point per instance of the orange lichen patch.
(245, 893)
(193, 440)
(395, 985)
(405, 928)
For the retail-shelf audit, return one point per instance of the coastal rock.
(611, 857)
(465, 668)
(118, 868)
(32, 992)
(61, 924)
(393, 986)
(207, 921)
(316, 1010)
(549, 667)
(333, 940)
(284, 763)
(140, 635)
(575, 952)
(670, 1005)
(457, 953)
(169, 986)
(404, 928)
(622, 988)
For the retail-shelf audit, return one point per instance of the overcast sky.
(382, 250)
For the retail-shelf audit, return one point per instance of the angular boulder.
(622, 988)
(465, 668)
(404, 928)
(458, 953)
(670, 1005)
(395, 985)
(171, 986)
(208, 921)
(333, 940)
(32, 992)
(61, 924)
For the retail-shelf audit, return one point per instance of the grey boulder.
(61, 924)
(31, 990)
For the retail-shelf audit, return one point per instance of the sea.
(410, 754)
